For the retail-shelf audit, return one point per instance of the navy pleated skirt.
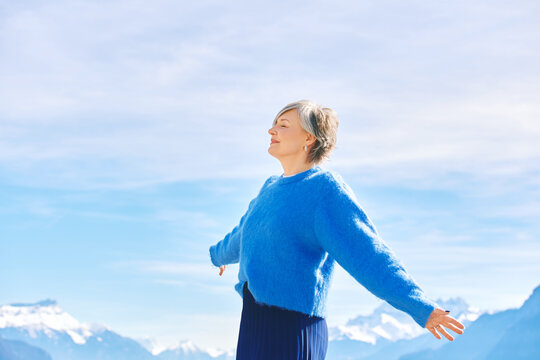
(271, 333)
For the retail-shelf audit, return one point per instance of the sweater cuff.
(423, 318)
(426, 308)
(212, 258)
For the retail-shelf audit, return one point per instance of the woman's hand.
(221, 269)
(440, 318)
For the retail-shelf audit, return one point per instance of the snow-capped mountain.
(46, 326)
(183, 349)
(46, 317)
(386, 322)
(509, 334)
(187, 350)
(43, 331)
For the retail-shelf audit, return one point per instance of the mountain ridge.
(386, 333)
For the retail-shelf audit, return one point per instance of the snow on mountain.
(183, 347)
(152, 345)
(45, 316)
(223, 354)
(386, 322)
(45, 325)
(186, 349)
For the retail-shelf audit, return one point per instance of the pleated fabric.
(271, 333)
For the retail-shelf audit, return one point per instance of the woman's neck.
(290, 171)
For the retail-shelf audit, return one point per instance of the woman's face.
(287, 136)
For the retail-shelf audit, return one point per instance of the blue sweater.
(295, 230)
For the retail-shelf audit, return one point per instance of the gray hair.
(320, 122)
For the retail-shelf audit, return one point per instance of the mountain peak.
(44, 315)
(392, 324)
(532, 304)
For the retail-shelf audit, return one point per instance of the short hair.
(319, 121)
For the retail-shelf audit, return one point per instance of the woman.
(289, 239)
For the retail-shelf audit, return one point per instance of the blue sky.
(133, 135)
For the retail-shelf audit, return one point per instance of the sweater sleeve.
(227, 251)
(344, 230)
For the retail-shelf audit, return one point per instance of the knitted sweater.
(295, 230)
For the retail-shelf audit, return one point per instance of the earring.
(305, 147)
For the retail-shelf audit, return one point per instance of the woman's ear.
(311, 139)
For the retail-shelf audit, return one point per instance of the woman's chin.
(272, 152)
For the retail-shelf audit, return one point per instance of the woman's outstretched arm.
(227, 251)
(343, 229)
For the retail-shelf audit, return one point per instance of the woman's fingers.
(439, 327)
(451, 326)
(440, 318)
(432, 330)
(453, 321)
(442, 331)
(221, 269)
